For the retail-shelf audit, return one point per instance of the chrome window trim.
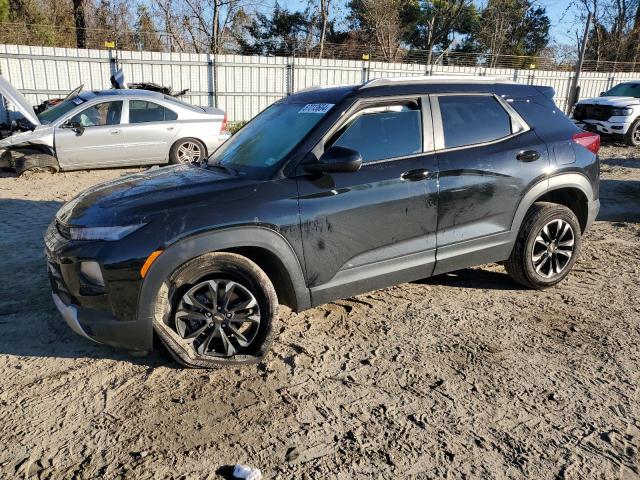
(438, 129)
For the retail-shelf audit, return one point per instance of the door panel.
(149, 143)
(99, 144)
(481, 187)
(356, 226)
(150, 131)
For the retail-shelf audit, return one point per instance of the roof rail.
(425, 79)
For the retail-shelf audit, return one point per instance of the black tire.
(530, 245)
(217, 267)
(632, 137)
(35, 162)
(176, 156)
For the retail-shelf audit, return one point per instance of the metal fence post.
(211, 79)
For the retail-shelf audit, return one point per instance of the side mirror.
(336, 159)
(75, 126)
(602, 94)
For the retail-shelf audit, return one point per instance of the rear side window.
(472, 119)
(379, 133)
(141, 111)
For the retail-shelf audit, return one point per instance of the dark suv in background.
(326, 194)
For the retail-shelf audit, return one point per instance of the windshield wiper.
(231, 171)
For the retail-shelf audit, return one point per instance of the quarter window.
(472, 119)
(141, 111)
(383, 132)
(106, 113)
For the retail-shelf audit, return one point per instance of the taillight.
(224, 124)
(589, 140)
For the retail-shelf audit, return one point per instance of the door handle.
(114, 132)
(415, 174)
(528, 156)
(171, 128)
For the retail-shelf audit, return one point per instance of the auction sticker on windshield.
(316, 108)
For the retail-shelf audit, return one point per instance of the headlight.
(103, 233)
(622, 112)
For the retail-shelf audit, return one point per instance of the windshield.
(624, 90)
(52, 114)
(269, 137)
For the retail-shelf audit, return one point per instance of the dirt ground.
(460, 376)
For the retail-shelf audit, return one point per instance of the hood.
(611, 101)
(41, 135)
(17, 99)
(142, 196)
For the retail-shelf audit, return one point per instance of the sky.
(560, 12)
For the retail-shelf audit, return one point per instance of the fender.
(555, 182)
(199, 244)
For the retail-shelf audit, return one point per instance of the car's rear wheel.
(632, 137)
(187, 150)
(219, 309)
(546, 247)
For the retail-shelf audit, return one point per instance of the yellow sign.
(110, 44)
(532, 66)
(365, 56)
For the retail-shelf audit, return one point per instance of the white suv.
(615, 112)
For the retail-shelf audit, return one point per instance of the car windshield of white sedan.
(270, 136)
(624, 90)
(52, 114)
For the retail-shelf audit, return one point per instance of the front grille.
(592, 112)
(64, 230)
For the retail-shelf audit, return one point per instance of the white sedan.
(110, 128)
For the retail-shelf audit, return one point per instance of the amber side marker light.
(148, 262)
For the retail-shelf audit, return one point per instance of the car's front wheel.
(546, 247)
(632, 137)
(220, 308)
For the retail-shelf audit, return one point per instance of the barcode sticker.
(316, 108)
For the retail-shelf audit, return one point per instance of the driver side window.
(384, 132)
(100, 114)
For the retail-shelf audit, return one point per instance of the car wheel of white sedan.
(187, 150)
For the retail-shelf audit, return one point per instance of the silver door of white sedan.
(92, 138)
(150, 131)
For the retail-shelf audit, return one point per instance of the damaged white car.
(109, 128)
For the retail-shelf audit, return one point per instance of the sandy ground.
(460, 376)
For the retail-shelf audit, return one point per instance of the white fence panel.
(240, 85)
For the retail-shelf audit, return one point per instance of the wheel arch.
(573, 190)
(267, 248)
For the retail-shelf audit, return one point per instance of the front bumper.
(107, 316)
(70, 315)
(614, 126)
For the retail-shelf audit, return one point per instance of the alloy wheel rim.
(218, 317)
(553, 248)
(189, 152)
(636, 134)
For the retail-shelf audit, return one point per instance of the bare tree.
(436, 21)
(382, 19)
(325, 5)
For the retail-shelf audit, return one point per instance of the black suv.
(326, 194)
